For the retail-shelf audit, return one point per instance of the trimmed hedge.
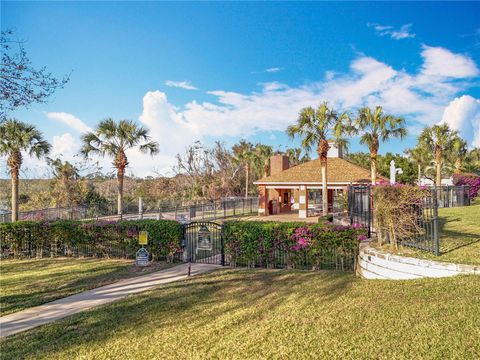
(292, 245)
(93, 238)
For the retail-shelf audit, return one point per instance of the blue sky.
(225, 71)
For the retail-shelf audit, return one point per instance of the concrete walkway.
(58, 309)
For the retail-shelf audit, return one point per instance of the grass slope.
(274, 314)
(459, 236)
(27, 283)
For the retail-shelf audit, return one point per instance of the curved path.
(58, 309)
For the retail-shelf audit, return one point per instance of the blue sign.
(142, 257)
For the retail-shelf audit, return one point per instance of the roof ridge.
(303, 172)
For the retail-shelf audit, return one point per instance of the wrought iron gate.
(204, 242)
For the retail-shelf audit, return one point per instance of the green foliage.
(100, 238)
(292, 245)
(409, 169)
(383, 165)
(360, 158)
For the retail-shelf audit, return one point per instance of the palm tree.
(438, 139)
(432, 169)
(457, 153)
(261, 159)
(376, 126)
(472, 163)
(315, 127)
(15, 137)
(419, 154)
(295, 156)
(243, 153)
(114, 139)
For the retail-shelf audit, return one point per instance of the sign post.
(142, 255)
(143, 238)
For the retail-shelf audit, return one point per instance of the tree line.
(210, 173)
(203, 173)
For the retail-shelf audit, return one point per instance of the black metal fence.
(213, 210)
(24, 242)
(63, 213)
(217, 209)
(326, 259)
(428, 235)
(360, 206)
(204, 242)
(453, 196)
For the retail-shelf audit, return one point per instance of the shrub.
(468, 179)
(92, 238)
(292, 245)
(397, 210)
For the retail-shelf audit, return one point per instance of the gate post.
(370, 211)
(436, 240)
(186, 247)
(350, 202)
(222, 244)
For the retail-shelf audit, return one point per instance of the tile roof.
(339, 170)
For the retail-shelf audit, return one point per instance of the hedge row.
(292, 245)
(96, 238)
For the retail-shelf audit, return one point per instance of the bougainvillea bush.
(468, 179)
(292, 245)
(117, 239)
(398, 210)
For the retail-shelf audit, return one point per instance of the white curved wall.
(376, 264)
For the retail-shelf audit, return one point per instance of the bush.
(468, 179)
(92, 238)
(292, 245)
(397, 211)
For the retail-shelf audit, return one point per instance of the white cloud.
(64, 146)
(273, 70)
(442, 62)
(423, 96)
(396, 34)
(463, 114)
(187, 85)
(419, 96)
(69, 119)
(167, 127)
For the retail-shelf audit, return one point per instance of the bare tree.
(21, 84)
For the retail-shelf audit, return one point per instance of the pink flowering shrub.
(292, 245)
(468, 179)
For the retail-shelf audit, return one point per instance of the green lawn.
(274, 314)
(459, 236)
(27, 283)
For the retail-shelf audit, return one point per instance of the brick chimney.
(278, 163)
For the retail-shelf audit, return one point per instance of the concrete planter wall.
(377, 264)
